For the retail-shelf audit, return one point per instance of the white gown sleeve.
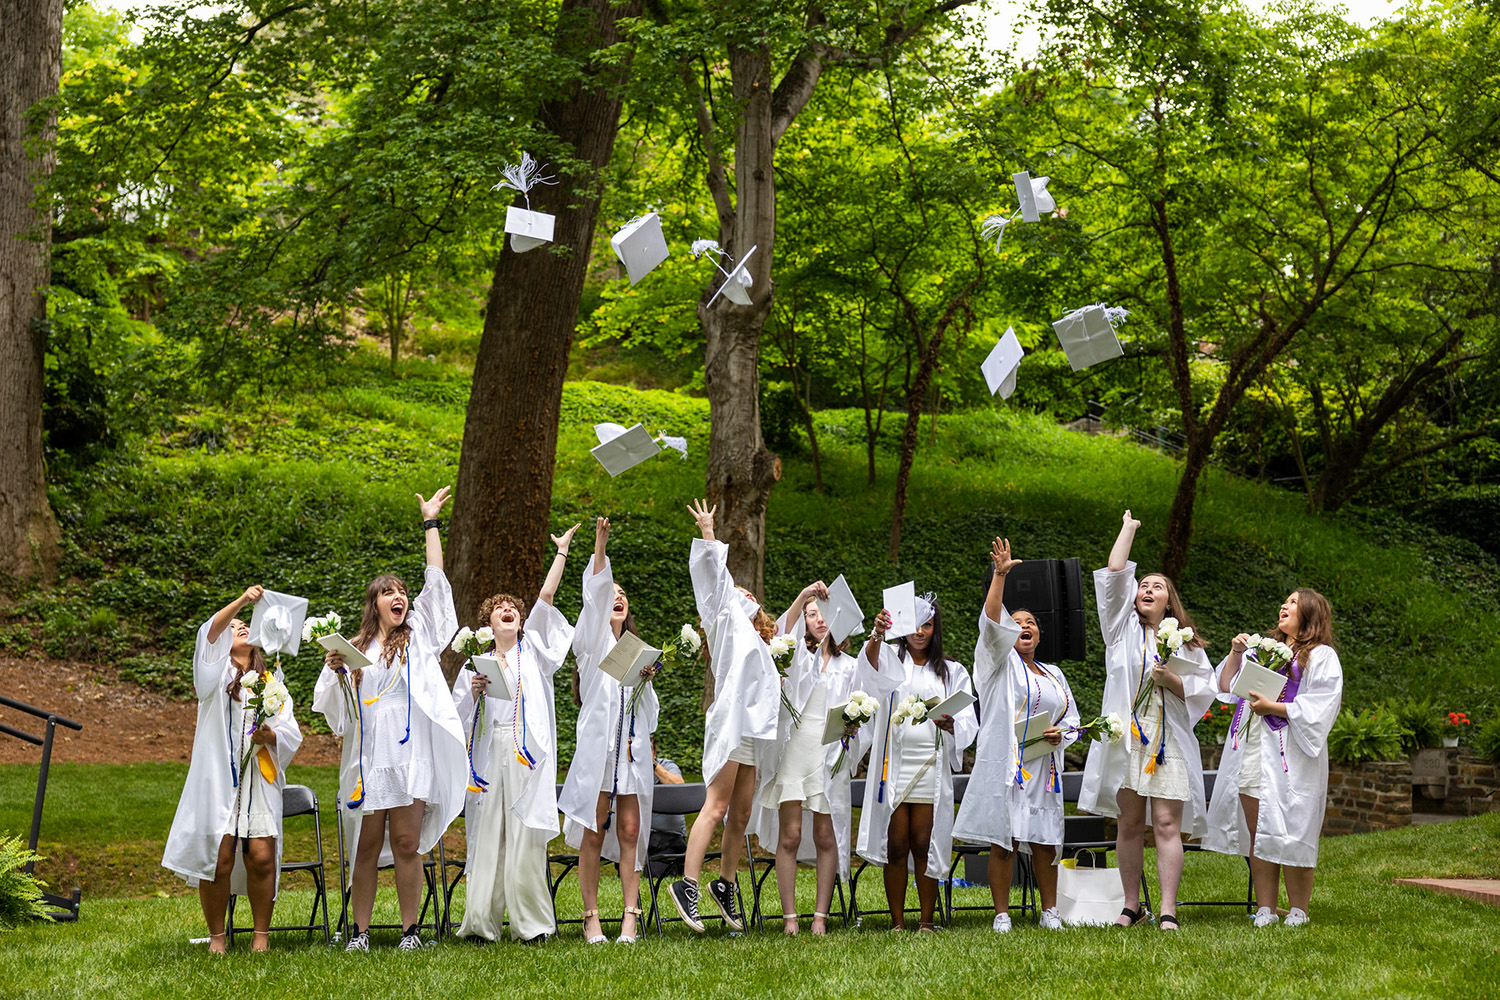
(965, 723)
(209, 659)
(1311, 715)
(328, 698)
(1114, 592)
(1199, 687)
(549, 635)
(712, 585)
(1071, 717)
(992, 652)
(432, 612)
(591, 635)
(880, 682)
(288, 735)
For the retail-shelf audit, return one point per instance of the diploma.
(353, 658)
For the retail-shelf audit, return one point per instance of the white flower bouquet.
(469, 643)
(781, 655)
(1105, 728)
(315, 628)
(267, 697)
(687, 645)
(1170, 638)
(860, 709)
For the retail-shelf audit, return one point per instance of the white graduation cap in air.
(1000, 367)
(276, 624)
(640, 246)
(528, 230)
(621, 448)
(737, 280)
(1087, 335)
(1035, 199)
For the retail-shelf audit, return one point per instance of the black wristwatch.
(432, 522)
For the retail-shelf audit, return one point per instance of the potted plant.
(1454, 728)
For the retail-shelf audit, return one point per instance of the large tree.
(30, 62)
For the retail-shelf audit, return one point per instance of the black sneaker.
(411, 941)
(685, 898)
(358, 941)
(725, 895)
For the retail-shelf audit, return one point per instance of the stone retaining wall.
(1370, 796)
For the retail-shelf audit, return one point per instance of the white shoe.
(1296, 918)
(1265, 917)
(1001, 924)
(1050, 920)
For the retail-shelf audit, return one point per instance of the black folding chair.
(855, 914)
(1021, 871)
(568, 862)
(767, 864)
(298, 800)
(434, 871)
(1210, 780)
(678, 800)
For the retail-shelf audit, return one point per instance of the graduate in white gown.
(226, 835)
(906, 824)
(606, 798)
(1159, 758)
(402, 772)
(739, 728)
(1273, 781)
(800, 791)
(513, 748)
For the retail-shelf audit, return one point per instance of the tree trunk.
(503, 498)
(1179, 529)
(30, 64)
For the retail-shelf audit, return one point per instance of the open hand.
(1129, 521)
(565, 540)
(431, 508)
(1000, 556)
(703, 515)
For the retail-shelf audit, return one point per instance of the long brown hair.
(1314, 623)
(396, 639)
(1176, 610)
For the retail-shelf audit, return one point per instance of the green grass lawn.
(1369, 937)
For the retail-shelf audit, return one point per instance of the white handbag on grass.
(1088, 896)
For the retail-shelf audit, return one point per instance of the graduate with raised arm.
(515, 753)
(1158, 759)
(226, 835)
(1273, 782)
(606, 798)
(801, 792)
(739, 728)
(403, 769)
(906, 824)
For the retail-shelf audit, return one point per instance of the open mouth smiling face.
(1030, 635)
(622, 605)
(394, 605)
(505, 618)
(1151, 596)
(1287, 620)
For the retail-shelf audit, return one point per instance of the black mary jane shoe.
(1136, 916)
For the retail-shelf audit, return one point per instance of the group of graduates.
(416, 752)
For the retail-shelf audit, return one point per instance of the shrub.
(1357, 737)
(1421, 723)
(20, 892)
(1487, 739)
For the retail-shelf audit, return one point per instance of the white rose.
(1187, 634)
(462, 637)
(332, 618)
(307, 627)
(485, 635)
(1168, 624)
(691, 637)
(250, 681)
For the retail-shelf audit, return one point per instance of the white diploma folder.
(528, 230)
(1028, 728)
(833, 726)
(640, 246)
(1087, 337)
(901, 602)
(276, 623)
(1000, 367)
(841, 611)
(491, 667)
(1254, 677)
(1181, 665)
(621, 450)
(353, 658)
(950, 706)
(630, 656)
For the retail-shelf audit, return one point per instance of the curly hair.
(489, 605)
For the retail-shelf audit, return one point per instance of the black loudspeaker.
(1052, 590)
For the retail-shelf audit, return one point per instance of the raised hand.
(1000, 556)
(817, 590)
(1240, 643)
(252, 594)
(431, 508)
(1128, 521)
(565, 540)
(601, 533)
(703, 515)
(882, 623)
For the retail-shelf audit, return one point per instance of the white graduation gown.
(1036, 808)
(894, 679)
(1124, 639)
(433, 719)
(842, 677)
(747, 687)
(208, 796)
(984, 815)
(1293, 797)
(603, 725)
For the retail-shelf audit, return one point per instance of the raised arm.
(430, 510)
(601, 541)
(1232, 663)
(819, 589)
(877, 637)
(1120, 554)
(559, 561)
(994, 601)
(228, 612)
(703, 514)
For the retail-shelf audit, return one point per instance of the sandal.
(819, 932)
(639, 914)
(597, 938)
(211, 937)
(1136, 916)
(1173, 918)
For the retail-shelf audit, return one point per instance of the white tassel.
(995, 226)
(701, 247)
(1114, 314)
(523, 176)
(675, 443)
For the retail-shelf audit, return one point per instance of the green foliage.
(20, 891)
(1420, 720)
(1367, 735)
(1487, 739)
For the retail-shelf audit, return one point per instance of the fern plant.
(1420, 722)
(1487, 739)
(1357, 737)
(20, 891)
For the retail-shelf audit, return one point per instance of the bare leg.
(260, 880)
(628, 833)
(706, 823)
(1299, 884)
(1130, 848)
(1042, 858)
(1000, 867)
(789, 839)
(366, 865)
(735, 821)
(406, 835)
(1166, 823)
(1263, 874)
(827, 845)
(921, 843)
(214, 897)
(897, 850)
(588, 868)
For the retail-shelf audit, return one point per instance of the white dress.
(368, 764)
(747, 688)
(207, 812)
(605, 727)
(1293, 765)
(1112, 766)
(885, 787)
(1036, 802)
(510, 823)
(984, 816)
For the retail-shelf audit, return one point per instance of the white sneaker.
(1001, 924)
(1265, 917)
(1050, 920)
(1296, 918)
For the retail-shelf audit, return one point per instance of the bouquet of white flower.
(687, 644)
(1271, 654)
(1170, 638)
(1105, 728)
(860, 709)
(913, 710)
(267, 697)
(469, 643)
(314, 628)
(781, 654)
